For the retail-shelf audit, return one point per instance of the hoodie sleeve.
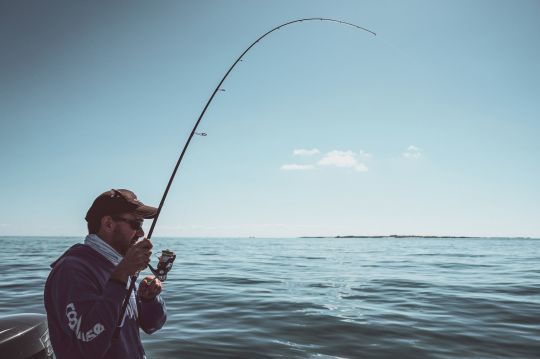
(87, 313)
(152, 314)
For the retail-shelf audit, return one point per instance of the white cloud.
(412, 152)
(296, 167)
(304, 152)
(343, 159)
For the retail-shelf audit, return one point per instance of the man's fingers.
(150, 288)
(145, 243)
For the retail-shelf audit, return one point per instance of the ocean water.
(323, 297)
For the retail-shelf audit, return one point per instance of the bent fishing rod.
(167, 258)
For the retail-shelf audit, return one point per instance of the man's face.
(126, 232)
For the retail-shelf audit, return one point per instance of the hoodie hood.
(81, 250)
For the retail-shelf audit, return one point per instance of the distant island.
(408, 236)
(389, 236)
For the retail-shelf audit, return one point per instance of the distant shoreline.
(416, 236)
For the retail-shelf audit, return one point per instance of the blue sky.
(430, 127)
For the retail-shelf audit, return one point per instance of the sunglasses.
(134, 223)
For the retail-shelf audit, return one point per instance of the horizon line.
(398, 236)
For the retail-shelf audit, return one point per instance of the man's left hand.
(149, 287)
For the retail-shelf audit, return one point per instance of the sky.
(429, 128)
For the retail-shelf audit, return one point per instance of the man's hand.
(136, 259)
(149, 287)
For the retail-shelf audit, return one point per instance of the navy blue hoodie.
(83, 305)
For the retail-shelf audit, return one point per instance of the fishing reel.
(165, 264)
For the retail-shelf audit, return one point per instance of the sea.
(324, 297)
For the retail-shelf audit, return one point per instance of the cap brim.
(146, 211)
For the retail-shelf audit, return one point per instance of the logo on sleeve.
(74, 324)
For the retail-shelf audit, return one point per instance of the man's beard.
(121, 243)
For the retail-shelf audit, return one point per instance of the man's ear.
(107, 223)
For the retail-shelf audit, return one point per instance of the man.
(88, 283)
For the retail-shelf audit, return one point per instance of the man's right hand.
(136, 259)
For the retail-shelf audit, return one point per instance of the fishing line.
(193, 132)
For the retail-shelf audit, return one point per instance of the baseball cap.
(118, 201)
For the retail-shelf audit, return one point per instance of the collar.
(103, 248)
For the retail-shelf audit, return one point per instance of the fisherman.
(87, 284)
